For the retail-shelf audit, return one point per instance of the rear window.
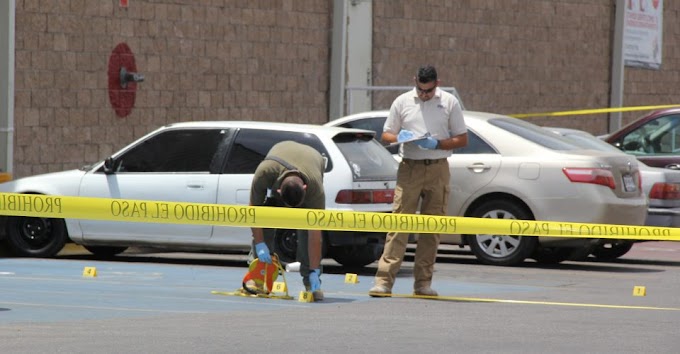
(534, 133)
(593, 143)
(367, 159)
(375, 124)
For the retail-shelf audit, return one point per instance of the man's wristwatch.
(438, 143)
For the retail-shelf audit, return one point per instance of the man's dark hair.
(292, 191)
(426, 74)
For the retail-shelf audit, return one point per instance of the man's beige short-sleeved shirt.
(441, 116)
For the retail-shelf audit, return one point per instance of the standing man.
(291, 175)
(425, 111)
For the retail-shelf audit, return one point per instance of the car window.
(533, 133)
(590, 142)
(367, 158)
(657, 137)
(475, 145)
(252, 145)
(177, 150)
(375, 124)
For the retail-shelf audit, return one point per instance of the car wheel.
(105, 251)
(502, 250)
(35, 237)
(611, 251)
(551, 255)
(284, 244)
(356, 256)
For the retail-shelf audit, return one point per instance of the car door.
(656, 142)
(176, 165)
(472, 167)
(249, 148)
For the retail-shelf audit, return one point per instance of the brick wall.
(269, 60)
(521, 56)
(202, 60)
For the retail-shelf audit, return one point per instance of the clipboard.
(409, 140)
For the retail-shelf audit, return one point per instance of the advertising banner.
(643, 33)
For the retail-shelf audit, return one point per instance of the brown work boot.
(380, 291)
(425, 291)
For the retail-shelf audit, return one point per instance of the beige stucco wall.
(269, 60)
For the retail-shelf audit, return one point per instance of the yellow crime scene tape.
(593, 111)
(292, 218)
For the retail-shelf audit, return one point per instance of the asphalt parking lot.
(163, 303)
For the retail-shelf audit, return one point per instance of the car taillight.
(665, 191)
(590, 175)
(365, 196)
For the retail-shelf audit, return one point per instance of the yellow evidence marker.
(259, 279)
(351, 278)
(90, 272)
(639, 291)
(306, 296)
(280, 287)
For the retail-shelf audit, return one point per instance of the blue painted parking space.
(53, 290)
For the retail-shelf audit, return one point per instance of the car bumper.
(617, 212)
(621, 212)
(351, 238)
(663, 217)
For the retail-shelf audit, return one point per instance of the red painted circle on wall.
(122, 98)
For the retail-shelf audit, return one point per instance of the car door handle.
(195, 186)
(478, 167)
(673, 166)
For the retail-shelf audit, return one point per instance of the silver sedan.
(661, 185)
(512, 169)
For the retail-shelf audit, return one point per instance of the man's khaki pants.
(416, 179)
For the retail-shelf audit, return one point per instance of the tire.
(284, 244)
(105, 251)
(551, 255)
(611, 251)
(35, 237)
(356, 256)
(501, 250)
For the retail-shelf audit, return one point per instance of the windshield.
(366, 157)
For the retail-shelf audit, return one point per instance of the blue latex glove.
(404, 135)
(263, 252)
(430, 143)
(314, 281)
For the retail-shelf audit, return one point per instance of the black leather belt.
(425, 161)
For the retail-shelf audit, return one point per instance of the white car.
(512, 169)
(661, 185)
(208, 162)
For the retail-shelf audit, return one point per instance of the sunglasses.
(425, 90)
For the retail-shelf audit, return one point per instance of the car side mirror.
(109, 165)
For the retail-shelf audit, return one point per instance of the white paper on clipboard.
(409, 140)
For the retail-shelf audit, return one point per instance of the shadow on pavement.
(168, 258)
(449, 256)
